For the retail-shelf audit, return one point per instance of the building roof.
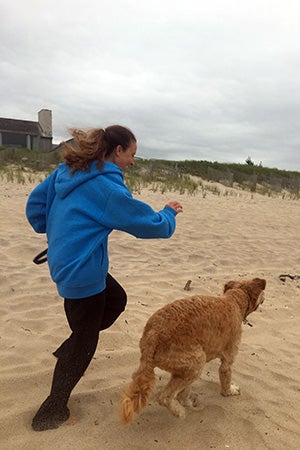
(60, 147)
(19, 126)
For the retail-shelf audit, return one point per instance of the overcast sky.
(215, 80)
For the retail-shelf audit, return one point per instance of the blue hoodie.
(78, 212)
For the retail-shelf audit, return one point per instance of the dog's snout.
(261, 298)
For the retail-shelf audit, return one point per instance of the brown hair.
(95, 144)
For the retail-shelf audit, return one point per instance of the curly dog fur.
(182, 336)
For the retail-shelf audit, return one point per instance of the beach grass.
(191, 177)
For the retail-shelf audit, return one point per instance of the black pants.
(86, 318)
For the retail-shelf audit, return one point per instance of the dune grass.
(191, 177)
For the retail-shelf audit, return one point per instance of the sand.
(218, 238)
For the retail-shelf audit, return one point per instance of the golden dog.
(182, 336)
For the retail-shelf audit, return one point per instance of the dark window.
(14, 139)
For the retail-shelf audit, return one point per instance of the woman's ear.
(118, 150)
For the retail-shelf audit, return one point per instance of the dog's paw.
(192, 400)
(188, 398)
(176, 409)
(233, 390)
(173, 406)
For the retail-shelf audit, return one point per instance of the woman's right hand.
(176, 206)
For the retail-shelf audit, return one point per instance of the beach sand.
(218, 238)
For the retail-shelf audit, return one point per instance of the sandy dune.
(218, 238)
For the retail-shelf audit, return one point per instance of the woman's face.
(125, 158)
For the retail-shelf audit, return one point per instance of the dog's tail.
(137, 394)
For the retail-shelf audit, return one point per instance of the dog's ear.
(229, 285)
(255, 288)
(258, 284)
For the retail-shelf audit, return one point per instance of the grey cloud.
(194, 80)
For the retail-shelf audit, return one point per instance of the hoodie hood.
(66, 182)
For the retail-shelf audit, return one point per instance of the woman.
(78, 206)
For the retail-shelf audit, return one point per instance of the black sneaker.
(50, 415)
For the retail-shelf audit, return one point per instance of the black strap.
(39, 258)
